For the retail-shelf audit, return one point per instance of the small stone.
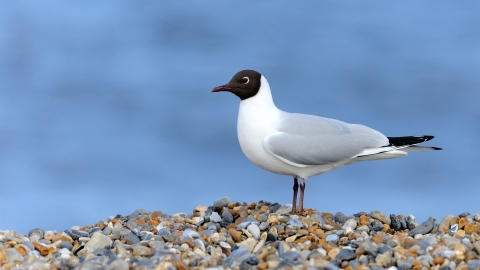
(383, 259)
(98, 241)
(130, 239)
(461, 222)
(227, 216)
(363, 228)
(13, 255)
(333, 253)
(139, 250)
(340, 217)
(424, 228)
(445, 223)
(438, 260)
(222, 202)
(201, 208)
(349, 225)
(331, 238)
(380, 216)
(215, 217)
(473, 265)
(244, 224)
(395, 223)
(410, 220)
(376, 225)
(44, 251)
(248, 243)
(263, 226)
(454, 220)
(471, 228)
(459, 233)
(346, 255)
(318, 217)
(294, 222)
(236, 235)
(453, 229)
(254, 230)
(377, 239)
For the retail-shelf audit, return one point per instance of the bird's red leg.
(295, 191)
(302, 191)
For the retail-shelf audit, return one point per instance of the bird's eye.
(245, 80)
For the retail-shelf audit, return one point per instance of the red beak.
(221, 88)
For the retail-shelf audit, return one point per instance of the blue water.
(106, 108)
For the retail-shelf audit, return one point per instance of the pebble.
(222, 202)
(254, 230)
(380, 217)
(331, 238)
(424, 228)
(260, 235)
(340, 217)
(215, 217)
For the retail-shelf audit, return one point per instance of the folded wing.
(305, 140)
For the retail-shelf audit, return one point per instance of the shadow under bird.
(303, 145)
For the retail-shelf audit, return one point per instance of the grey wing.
(305, 140)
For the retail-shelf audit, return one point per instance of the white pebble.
(215, 217)
(254, 230)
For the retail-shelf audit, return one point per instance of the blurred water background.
(105, 107)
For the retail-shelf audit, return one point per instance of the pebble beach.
(258, 235)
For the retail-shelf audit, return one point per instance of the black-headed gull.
(303, 145)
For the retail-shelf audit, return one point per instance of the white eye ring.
(245, 80)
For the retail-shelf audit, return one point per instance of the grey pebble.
(340, 218)
(289, 257)
(283, 219)
(403, 224)
(146, 262)
(376, 267)
(274, 207)
(208, 213)
(271, 237)
(410, 220)
(423, 228)
(227, 216)
(263, 226)
(13, 255)
(222, 202)
(473, 265)
(376, 225)
(404, 264)
(384, 249)
(318, 217)
(238, 253)
(331, 238)
(249, 220)
(284, 210)
(346, 255)
(36, 231)
(66, 245)
(215, 217)
(117, 264)
(294, 222)
(77, 234)
(354, 264)
(395, 223)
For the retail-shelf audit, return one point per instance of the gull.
(303, 145)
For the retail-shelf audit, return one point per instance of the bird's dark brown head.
(244, 84)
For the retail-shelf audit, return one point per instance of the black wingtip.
(436, 148)
(409, 140)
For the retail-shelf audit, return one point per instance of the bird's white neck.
(262, 102)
